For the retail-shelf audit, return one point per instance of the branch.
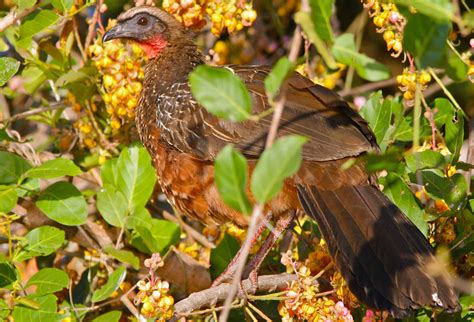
(51, 107)
(209, 297)
(368, 87)
(12, 17)
(258, 208)
(189, 230)
(434, 88)
(92, 27)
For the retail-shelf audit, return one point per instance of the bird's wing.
(334, 130)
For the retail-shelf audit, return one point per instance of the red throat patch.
(153, 46)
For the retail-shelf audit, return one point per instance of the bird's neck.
(171, 67)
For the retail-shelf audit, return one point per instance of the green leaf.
(425, 160)
(113, 283)
(426, 39)
(108, 172)
(276, 164)
(390, 161)
(436, 9)
(140, 217)
(345, 51)
(8, 274)
(64, 5)
(38, 23)
(221, 92)
(321, 11)
(8, 198)
(159, 235)
(72, 76)
(11, 167)
(305, 20)
(24, 4)
(223, 254)
(404, 131)
(113, 206)
(113, 316)
(8, 68)
(445, 111)
(452, 190)
(399, 193)
(46, 311)
(136, 176)
(279, 73)
(123, 255)
(33, 78)
(41, 241)
(63, 203)
(231, 179)
(455, 134)
(456, 69)
(54, 169)
(4, 310)
(49, 280)
(378, 115)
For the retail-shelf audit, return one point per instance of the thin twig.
(78, 39)
(189, 230)
(92, 27)
(434, 88)
(260, 313)
(446, 91)
(258, 209)
(368, 87)
(430, 116)
(361, 23)
(36, 111)
(416, 117)
(13, 16)
(208, 297)
(213, 310)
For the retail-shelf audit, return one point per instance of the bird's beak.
(117, 31)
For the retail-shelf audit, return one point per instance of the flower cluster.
(389, 22)
(322, 75)
(230, 15)
(87, 136)
(200, 253)
(445, 232)
(342, 290)
(190, 13)
(122, 74)
(304, 302)
(153, 294)
(409, 80)
(156, 302)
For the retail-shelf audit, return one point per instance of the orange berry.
(397, 45)
(379, 21)
(424, 78)
(441, 206)
(408, 95)
(108, 81)
(388, 35)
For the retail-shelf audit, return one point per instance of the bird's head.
(152, 28)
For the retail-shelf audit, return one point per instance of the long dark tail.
(379, 251)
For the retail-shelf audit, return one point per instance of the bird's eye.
(143, 21)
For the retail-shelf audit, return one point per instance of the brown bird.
(380, 253)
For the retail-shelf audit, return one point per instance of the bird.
(380, 253)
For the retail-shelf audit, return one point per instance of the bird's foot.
(253, 278)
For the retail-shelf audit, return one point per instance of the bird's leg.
(251, 270)
(229, 272)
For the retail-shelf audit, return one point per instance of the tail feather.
(378, 250)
